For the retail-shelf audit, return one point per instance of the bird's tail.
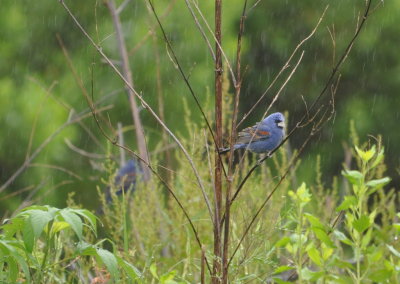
(224, 150)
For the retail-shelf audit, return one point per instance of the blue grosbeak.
(262, 137)
(126, 178)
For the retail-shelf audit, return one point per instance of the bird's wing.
(253, 134)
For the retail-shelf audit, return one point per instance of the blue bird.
(262, 137)
(125, 178)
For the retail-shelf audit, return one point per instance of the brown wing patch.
(263, 133)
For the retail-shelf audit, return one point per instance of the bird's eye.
(278, 120)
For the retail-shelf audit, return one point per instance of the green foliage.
(37, 244)
(294, 234)
(359, 237)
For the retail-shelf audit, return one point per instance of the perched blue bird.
(262, 137)
(126, 178)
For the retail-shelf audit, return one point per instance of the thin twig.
(345, 54)
(201, 30)
(329, 81)
(217, 265)
(284, 67)
(145, 105)
(317, 126)
(273, 101)
(122, 6)
(127, 73)
(233, 78)
(231, 142)
(50, 138)
(186, 79)
(152, 29)
(268, 197)
(17, 192)
(122, 159)
(39, 165)
(83, 152)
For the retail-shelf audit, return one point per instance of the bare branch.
(127, 73)
(284, 67)
(316, 127)
(83, 152)
(145, 105)
(56, 168)
(50, 138)
(185, 78)
(122, 6)
(217, 265)
(231, 171)
(201, 30)
(216, 42)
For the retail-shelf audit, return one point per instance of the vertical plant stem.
(300, 244)
(125, 222)
(122, 160)
(238, 85)
(218, 138)
(203, 265)
(126, 71)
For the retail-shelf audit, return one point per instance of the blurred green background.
(36, 82)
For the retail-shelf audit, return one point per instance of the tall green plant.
(36, 246)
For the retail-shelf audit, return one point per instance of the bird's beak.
(281, 124)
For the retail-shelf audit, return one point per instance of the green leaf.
(366, 239)
(378, 183)
(282, 242)
(378, 158)
(327, 252)
(375, 255)
(311, 275)
(73, 220)
(12, 269)
(131, 270)
(367, 155)
(59, 226)
(28, 236)
(84, 248)
(280, 281)
(361, 224)
(167, 278)
(354, 177)
(348, 202)
(8, 249)
(282, 268)
(323, 237)
(153, 270)
(315, 256)
(13, 226)
(343, 264)
(25, 268)
(39, 219)
(89, 216)
(314, 221)
(110, 262)
(342, 237)
(380, 276)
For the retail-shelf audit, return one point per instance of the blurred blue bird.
(125, 178)
(262, 137)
